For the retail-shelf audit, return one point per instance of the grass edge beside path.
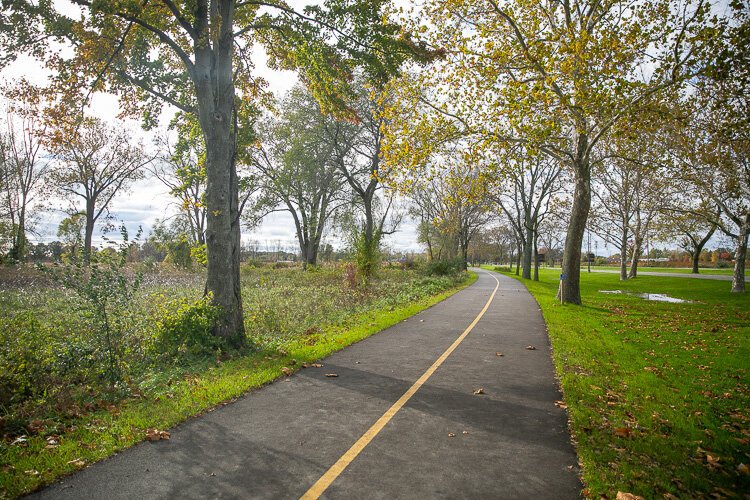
(40, 461)
(657, 394)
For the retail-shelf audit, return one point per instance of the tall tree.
(23, 166)
(94, 163)
(195, 56)
(299, 162)
(532, 182)
(556, 76)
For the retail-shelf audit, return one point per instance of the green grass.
(68, 438)
(658, 394)
(677, 270)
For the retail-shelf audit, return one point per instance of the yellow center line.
(322, 484)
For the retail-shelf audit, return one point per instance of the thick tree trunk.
(740, 255)
(88, 233)
(571, 265)
(518, 260)
(213, 79)
(695, 256)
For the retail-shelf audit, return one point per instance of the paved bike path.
(446, 442)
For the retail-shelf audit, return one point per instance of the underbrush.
(56, 388)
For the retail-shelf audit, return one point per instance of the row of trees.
(638, 109)
(519, 100)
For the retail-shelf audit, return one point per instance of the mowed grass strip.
(657, 393)
(42, 458)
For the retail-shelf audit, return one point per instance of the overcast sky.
(148, 200)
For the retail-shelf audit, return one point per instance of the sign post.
(562, 286)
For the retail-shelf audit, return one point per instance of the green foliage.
(184, 328)
(25, 359)
(179, 252)
(198, 255)
(444, 267)
(107, 295)
(366, 252)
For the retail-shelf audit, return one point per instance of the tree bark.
(740, 255)
(637, 250)
(215, 98)
(571, 265)
(88, 232)
(536, 260)
(624, 255)
(528, 245)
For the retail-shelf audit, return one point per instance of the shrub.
(108, 295)
(198, 255)
(444, 267)
(184, 328)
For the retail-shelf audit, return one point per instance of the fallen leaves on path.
(499, 354)
(531, 348)
(561, 404)
(451, 435)
(316, 365)
(479, 391)
(332, 375)
(157, 435)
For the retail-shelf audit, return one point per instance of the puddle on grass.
(657, 297)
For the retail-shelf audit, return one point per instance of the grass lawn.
(679, 270)
(658, 394)
(292, 318)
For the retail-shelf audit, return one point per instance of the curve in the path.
(508, 440)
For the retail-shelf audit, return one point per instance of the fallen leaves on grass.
(478, 391)
(77, 462)
(743, 470)
(621, 495)
(157, 435)
(286, 370)
(623, 432)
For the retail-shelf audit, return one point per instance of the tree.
(525, 198)
(195, 56)
(358, 159)
(94, 162)
(555, 76)
(300, 163)
(22, 165)
(181, 167)
(696, 225)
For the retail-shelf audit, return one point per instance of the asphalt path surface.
(508, 441)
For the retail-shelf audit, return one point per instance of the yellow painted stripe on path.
(336, 469)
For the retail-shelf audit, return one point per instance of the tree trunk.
(624, 255)
(88, 234)
(213, 79)
(528, 246)
(637, 249)
(536, 260)
(518, 260)
(695, 256)
(740, 255)
(571, 265)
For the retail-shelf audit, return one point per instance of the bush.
(501, 269)
(444, 267)
(184, 328)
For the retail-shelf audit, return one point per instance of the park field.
(658, 394)
(59, 411)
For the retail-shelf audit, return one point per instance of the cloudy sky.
(147, 200)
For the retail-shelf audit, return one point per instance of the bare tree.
(94, 163)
